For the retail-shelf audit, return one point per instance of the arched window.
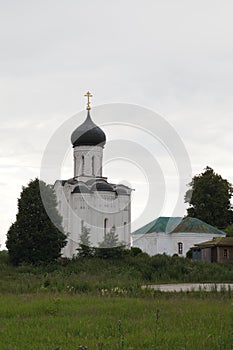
(180, 248)
(93, 165)
(105, 226)
(83, 165)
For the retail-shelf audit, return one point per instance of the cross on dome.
(88, 95)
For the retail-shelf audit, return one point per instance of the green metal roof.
(161, 224)
(195, 225)
(177, 224)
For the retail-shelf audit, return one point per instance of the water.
(185, 287)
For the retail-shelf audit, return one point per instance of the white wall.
(92, 208)
(159, 243)
(88, 152)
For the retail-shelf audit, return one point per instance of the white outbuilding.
(173, 235)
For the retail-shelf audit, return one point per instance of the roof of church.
(88, 134)
(102, 186)
(95, 184)
(81, 188)
(178, 224)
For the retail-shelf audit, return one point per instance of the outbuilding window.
(180, 248)
(225, 253)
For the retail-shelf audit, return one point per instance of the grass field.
(93, 275)
(39, 322)
(99, 304)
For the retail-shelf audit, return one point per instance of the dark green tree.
(85, 249)
(229, 230)
(34, 238)
(209, 199)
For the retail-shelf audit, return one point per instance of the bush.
(189, 254)
(134, 251)
(107, 253)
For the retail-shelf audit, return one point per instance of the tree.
(209, 199)
(110, 239)
(229, 230)
(85, 249)
(33, 238)
(110, 247)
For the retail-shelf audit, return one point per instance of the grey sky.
(174, 57)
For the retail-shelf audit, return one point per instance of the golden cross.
(88, 95)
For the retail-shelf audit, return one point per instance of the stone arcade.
(88, 199)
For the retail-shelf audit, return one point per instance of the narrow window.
(82, 165)
(93, 165)
(82, 204)
(225, 253)
(180, 248)
(125, 223)
(105, 226)
(82, 225)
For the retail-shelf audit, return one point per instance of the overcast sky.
(173, 57)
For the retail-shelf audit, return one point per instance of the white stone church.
(88, 199)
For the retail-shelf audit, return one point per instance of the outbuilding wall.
(160, 242)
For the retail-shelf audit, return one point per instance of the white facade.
(169, 243)
(88, 161)
(88, 199)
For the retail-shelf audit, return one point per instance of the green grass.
(99, 303)
(92, 275)
(165, 322)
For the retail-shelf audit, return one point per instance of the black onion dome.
(88, 134)
(120, 190)
(102, 186)
(81, 188)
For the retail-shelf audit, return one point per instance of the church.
(88, 200)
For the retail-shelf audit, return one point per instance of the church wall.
(92, 208)
(85, 166)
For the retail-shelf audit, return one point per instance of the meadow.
(99, 304)
(39, 322)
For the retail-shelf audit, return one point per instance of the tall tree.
(209, 198)
(229, 230)
(33, 238)
(110, 239)
(110, 247)
(85, 249)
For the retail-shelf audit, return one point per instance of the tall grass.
(67, 323)
(94, 275)
(99, 304)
